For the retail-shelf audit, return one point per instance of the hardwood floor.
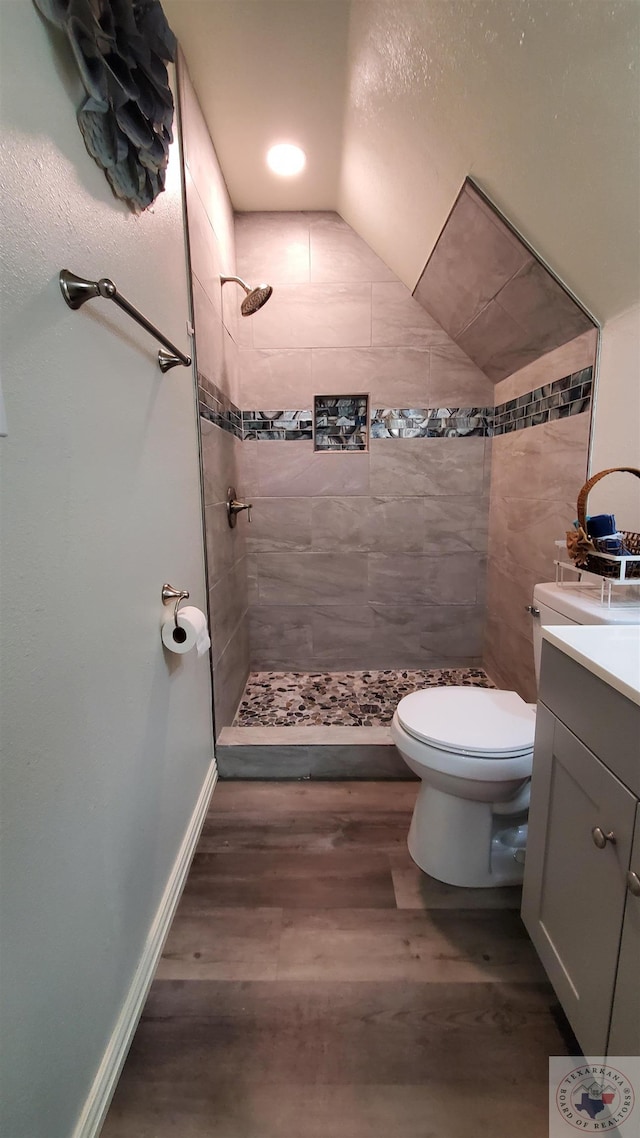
(316, 985)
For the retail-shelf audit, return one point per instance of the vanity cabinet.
(624, 1035)
(579, 902)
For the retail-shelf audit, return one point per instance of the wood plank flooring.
(316, 985)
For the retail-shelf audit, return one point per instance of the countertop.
(611, 652)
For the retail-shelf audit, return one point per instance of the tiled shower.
(364, 437)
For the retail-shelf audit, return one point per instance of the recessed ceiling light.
(286, 159)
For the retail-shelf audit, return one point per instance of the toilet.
(472, 749)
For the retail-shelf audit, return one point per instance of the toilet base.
(456, 841)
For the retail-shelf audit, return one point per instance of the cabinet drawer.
(574, 892)
(602, 718)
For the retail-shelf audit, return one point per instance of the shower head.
(255, 297)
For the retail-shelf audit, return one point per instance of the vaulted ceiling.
(396, 101)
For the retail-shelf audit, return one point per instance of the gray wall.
(356, 560)
(106, 739)
(216, 318)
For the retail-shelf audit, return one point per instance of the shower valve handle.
(234, 507)
(238, 507)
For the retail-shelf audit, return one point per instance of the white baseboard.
(97, 1103)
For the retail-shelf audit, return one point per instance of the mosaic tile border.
(296, 425)
(217, 408)
(430, 423)
(570, 395)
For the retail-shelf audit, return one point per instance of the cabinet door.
(624, 1038)
(574, 892)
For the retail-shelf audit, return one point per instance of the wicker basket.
(580, 547)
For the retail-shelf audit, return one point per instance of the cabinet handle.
(600, 839)
(633, 883)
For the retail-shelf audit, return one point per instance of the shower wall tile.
(252, 578)
(454, 380)
(209, 337)
(508, 659)
(548, 461)
(398, 320)
(272, 248)
(427, 466)
(328, 527)
(497, 342)
(215, 317)
(535, 299)
(394, 525)
(228, 599)
(204, 168)
(279, 634)
(230, 676)
(372, 524)
(455, 524)
(398, 373)
(204, 248)
(247, 472)
(340, 632)
(279, 377)
(225, 546)
(282, 466)
(220, 458)
(455, 298)
(498, 302)
(311, 578)
(422, 579)
(339, 524)
(279, 525)
(567, 359)
(339, 255)
(536, 476)
(315, 316)
(452, 632)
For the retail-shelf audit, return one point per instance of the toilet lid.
(473, 721)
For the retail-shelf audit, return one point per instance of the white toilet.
(473, 750)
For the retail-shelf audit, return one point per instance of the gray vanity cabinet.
(581, 831)
(624, 1036)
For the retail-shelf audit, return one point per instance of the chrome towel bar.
(76, 291)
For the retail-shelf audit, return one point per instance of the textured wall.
(536, 474)
(106, 738)
(437, 90)
(616, 420)
(216, 319)
(357, 560)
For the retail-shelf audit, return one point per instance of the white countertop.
(611, 652)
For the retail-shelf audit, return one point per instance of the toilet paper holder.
(178, 595)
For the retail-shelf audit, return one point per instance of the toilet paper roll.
(190, 633)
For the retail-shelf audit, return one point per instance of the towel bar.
(76, 291)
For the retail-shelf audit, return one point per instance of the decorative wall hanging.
(121, 48)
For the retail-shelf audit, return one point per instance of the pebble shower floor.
(345, 699)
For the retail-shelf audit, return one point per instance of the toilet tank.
(579, 603)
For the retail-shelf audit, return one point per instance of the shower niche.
(341, 422)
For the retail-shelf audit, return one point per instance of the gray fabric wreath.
(121, 48)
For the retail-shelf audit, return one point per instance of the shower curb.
(309, 753)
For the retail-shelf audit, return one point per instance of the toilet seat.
(481, 723)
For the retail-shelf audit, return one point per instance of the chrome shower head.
(255, 297)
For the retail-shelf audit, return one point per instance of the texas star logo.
(595, 1099)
